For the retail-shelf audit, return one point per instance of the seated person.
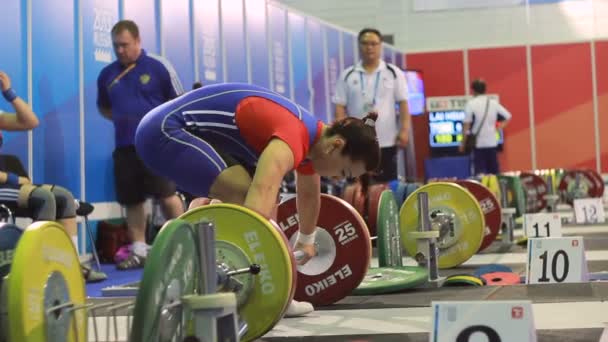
(45, 202)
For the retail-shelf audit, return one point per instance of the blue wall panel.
(97, 21)
(208, 41)
(144, 14)
(332, 68)
(317, 69)
(176, 39)
(56, 98)
(258, 42)
(389, 55)
(13, 61)
(348, 49)
(233, 36)
(279, 52)
(399, 60)
(299, 59)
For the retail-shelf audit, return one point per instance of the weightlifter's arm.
(308, 189)
(274, 163)
(24, 118)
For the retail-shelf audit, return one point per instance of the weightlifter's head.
(348, 148)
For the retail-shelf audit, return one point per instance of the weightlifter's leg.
(231, 185)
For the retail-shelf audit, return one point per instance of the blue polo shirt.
(132, 92)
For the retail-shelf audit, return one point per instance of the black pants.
(134, 181)
(485, 160)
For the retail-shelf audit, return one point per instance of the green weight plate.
(264, 244)
(391, 279)
(456, 245)
(389, 234)
(516, 197)
(168, 275)
(45, 274)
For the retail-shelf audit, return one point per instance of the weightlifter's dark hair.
(361, 141)
(128, 25)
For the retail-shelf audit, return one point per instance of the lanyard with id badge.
(369, 104)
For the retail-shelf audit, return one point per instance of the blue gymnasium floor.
(115, 277)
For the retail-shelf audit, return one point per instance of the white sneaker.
(296, 309)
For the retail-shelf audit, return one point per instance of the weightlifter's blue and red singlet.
(194, 137)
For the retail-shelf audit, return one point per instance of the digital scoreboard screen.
(445, 129)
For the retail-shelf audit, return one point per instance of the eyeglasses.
(370, 43)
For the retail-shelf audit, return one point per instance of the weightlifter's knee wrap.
(40, 200)
(66, 207)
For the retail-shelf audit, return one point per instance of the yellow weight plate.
(45, 273)
(4, 309)
(262, 243)
(457, 246)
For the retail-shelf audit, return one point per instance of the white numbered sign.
(542, 225)
(589, 210)
(556, 260)
(493, 321)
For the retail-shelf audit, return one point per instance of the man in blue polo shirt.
(126, 90)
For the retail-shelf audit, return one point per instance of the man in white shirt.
(374, 85)
(497, 117)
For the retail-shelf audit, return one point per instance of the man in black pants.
(128, 89)
(483, 118)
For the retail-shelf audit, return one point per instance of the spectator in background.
(485, 154)
(127, 89)
(373, 85)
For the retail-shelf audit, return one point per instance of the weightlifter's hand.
(308, 249)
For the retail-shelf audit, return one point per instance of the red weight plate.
(359, 201)
(598, 181)
(501, 278)
(490, 207)
(568, 190)
(349, 192)
(535, 190)
(344, 248)
(373, 199)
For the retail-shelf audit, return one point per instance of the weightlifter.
(235, 142)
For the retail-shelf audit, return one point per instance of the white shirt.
(476, 108)
(391, 88)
